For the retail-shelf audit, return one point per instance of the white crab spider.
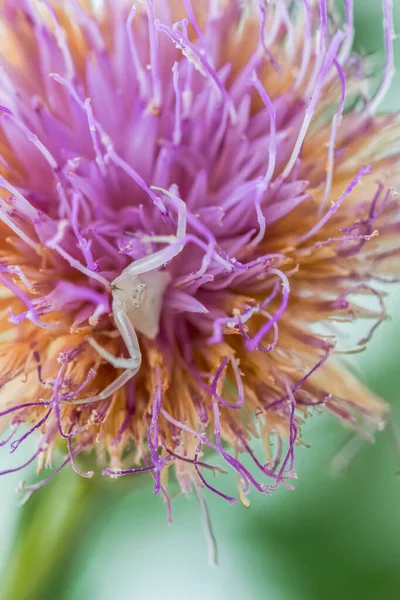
(136, 305)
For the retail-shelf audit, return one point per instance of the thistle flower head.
(193, 195)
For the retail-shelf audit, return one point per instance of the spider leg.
(115, 361)
(131, 364)
(129, 336)
(159, 258)
(108, 391)
(150, 263)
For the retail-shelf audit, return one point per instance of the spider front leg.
(131, 364)
(118, 362)
(114, 386)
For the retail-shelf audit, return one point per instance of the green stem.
(51, 524)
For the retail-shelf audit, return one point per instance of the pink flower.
(197, 190)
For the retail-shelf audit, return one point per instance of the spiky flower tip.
(193, 195)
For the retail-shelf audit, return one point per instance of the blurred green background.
(337, 536)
